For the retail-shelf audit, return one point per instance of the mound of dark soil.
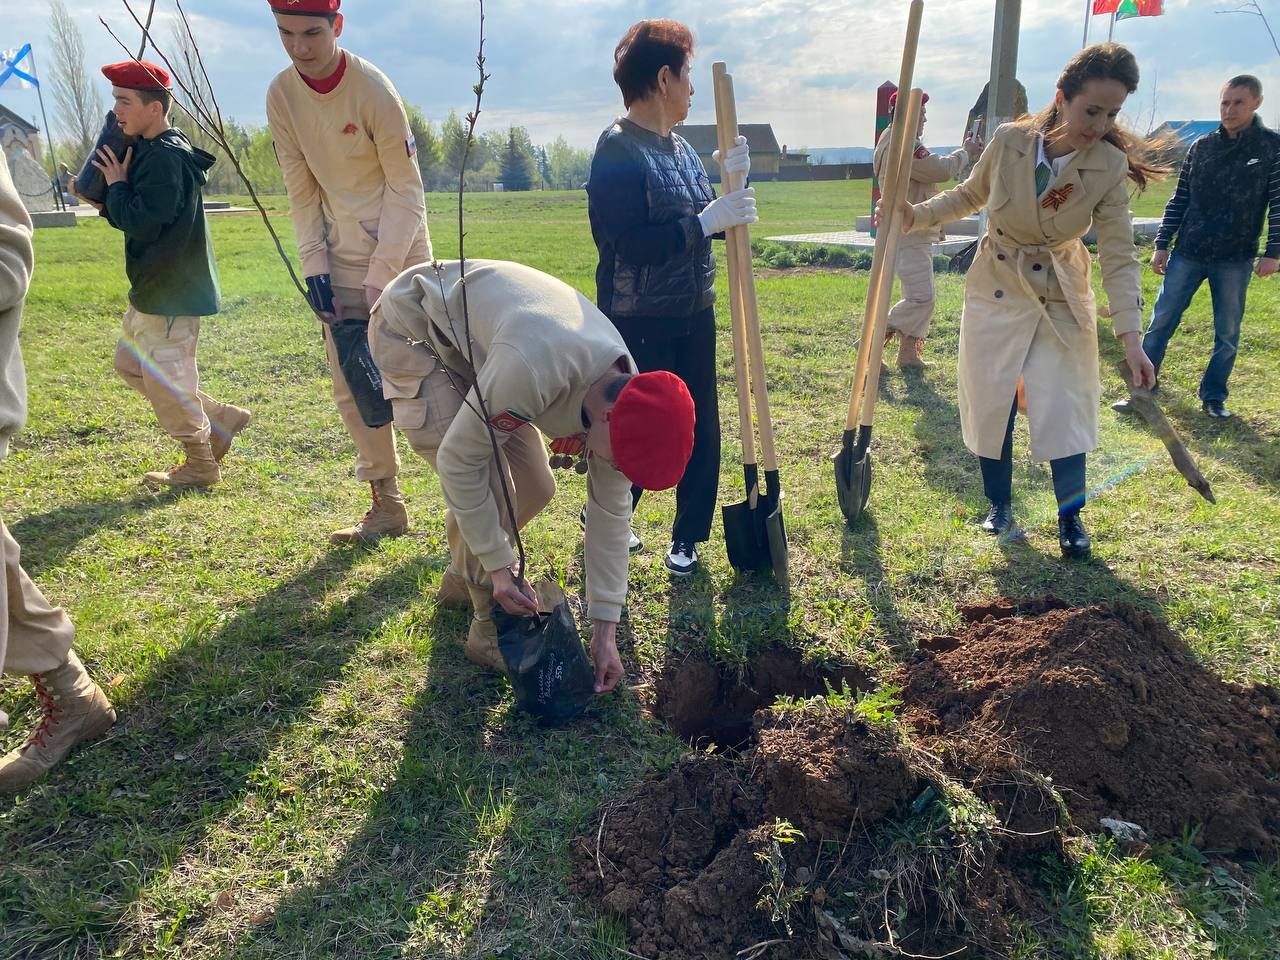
(822, 774)
(1052, 716)
(675, 859)
(1112, 707)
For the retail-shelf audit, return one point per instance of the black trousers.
(1068, 474)
(692, 358)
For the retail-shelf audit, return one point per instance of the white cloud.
(809, 67)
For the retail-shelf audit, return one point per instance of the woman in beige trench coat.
(1029, 310)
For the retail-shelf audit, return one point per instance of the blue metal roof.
(1189, 131)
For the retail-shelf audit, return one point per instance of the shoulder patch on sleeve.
(411, 146)
(508, 421)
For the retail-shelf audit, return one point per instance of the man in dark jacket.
(153, 197)
(1230, 179)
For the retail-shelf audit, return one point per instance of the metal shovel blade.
(775, 528)
(853, 475)
(745, 536)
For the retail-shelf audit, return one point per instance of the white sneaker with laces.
(682, 558)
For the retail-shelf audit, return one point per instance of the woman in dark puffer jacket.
(653, 215)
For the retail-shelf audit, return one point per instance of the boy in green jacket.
(153, 197)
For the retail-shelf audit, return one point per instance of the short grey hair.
(1248, 81)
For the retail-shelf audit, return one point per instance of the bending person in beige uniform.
(910, 317)
(35, 638)
(355, 197)
(545, 360)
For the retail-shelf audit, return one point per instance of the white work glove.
(736, 209)
(737, 160)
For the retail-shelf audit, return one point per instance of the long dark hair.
(1103, 61)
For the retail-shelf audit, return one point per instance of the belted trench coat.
(1029, 307)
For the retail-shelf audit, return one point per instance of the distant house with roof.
(1186, 131)
(769, 161)
(16, 133)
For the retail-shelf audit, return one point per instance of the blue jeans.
(1228, 284)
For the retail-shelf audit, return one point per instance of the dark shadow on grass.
(465, 851)
(1253, 452)
(188, 748)
(948, 465)
(861, 551)
(691, 615)
(48, 538)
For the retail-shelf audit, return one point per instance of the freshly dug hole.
(705, 702)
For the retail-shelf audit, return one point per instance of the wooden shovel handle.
(739, 240)
(725, 135)
(902, 181)
(879, 262)
(1145, 404)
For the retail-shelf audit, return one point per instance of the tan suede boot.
(910, 353)
(386, 518)
(230, 421)
(453, 593)
(481, 647)
(198, 470)
(74, 710)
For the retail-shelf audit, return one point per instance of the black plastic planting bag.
(90, 183)
(351, 340)
(546, 663)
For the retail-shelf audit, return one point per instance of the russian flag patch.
(508, 421)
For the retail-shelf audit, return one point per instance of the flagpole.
(1088, 12)
(48, 134)
(1111, 31)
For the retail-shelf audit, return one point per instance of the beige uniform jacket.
(539, 345)
(351, 172)
(17, 261)
(1029, 308)
(927, 172)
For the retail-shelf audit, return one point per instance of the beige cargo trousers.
(157, 357)
(35, 637)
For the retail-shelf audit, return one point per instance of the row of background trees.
(506, 156)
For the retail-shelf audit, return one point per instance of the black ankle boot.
(999, 519)
(1072, 536)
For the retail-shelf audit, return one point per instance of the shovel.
(1144, 403)
(745, 537)
(851, 462)
(755, 533)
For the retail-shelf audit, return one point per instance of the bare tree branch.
(211, 125)
(151, 12)
(472, 119)
(1251, 8)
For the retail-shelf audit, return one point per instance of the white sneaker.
(682, 558)
(634, 543)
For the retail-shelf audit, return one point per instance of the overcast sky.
(809, 67)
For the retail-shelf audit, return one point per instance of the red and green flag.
(1124, 9)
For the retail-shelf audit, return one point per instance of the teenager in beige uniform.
(1029, 306)
(356, 200)
(909, 319)
(545, 360)
(35, 638)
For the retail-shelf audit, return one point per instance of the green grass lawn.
(305, 765)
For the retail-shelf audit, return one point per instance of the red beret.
(651, 430)
(893, 99)
(311, 8)
(137, 75)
